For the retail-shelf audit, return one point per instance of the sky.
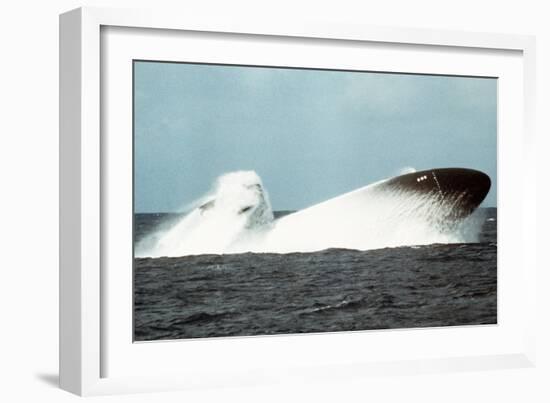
(309, 134)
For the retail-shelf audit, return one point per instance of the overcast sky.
(310, 135)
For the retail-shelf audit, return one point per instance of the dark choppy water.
(331, 290)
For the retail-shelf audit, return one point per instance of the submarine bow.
(461, 189)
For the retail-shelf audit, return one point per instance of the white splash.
(226, 220)
(371, 218)
(407, 170)
(236, 217)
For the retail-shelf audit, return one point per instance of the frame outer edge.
(79, 162)
(177, 18)
(530, 189)
(70, 119)
(90, 214)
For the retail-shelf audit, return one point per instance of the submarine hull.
(423, 207)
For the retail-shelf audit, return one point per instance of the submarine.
(418, 208)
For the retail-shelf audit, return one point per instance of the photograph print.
(272, 200)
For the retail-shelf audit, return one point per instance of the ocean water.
(245, 294)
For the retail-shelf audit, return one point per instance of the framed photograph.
(250, 202)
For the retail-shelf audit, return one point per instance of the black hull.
(461, 190)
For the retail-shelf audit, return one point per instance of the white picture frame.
(86, 345)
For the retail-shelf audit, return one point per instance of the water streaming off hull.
(417, 208)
